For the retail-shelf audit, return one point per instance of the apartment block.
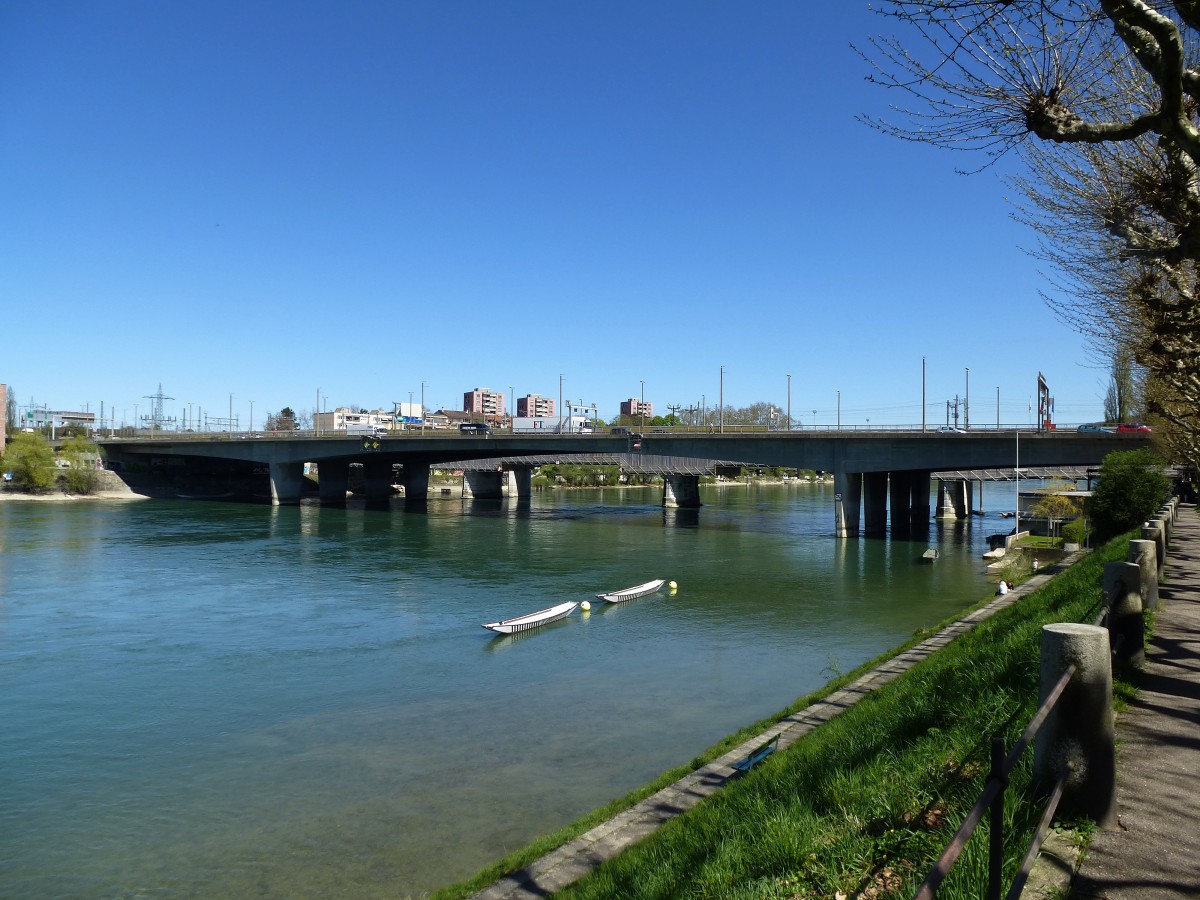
(535, 406)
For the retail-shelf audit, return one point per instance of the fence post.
(1145, 554)
(1152, 531)
(1077, 741)
(1123, 585)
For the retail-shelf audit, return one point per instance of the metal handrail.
(993, 796)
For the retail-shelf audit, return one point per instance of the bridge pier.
(953, 499)
(901, 496)
(483, 485)
(875, 491)
(910, 503)
(287, 483)
(919, 484)
(519, 483)
(847, 496)
(681, 492)
(377, 473)
(333, 477)
(415, 478)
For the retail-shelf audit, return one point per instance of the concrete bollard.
(1123, 586)
(1077, 740)
(1144, 554)
(1165, 525)
(1151, 531)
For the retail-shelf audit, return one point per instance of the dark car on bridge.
(474, 428)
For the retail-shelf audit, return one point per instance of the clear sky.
(274, 199)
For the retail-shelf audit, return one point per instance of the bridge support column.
(918, 503)
(847, 496)
(287, 483)
(482, 485)
(332, 478)
(377, 474)
(681, 492)
(952, 499)
(519, 483)
(415, 478)
(875, 490)
(901, 491)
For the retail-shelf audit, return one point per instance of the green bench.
(752, 759)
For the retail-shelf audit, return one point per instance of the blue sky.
(270, 199)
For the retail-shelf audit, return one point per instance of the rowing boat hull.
(532, 620)
(632, 593)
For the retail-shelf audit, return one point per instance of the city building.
(35, 418)
(485, 403)
(535, 406)
(635, 407)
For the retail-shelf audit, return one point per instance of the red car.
(1130, 427)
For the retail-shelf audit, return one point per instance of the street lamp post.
(721, 409)
(922, 393)
(512, 406)
(967, 402)
(230, 428)
(839, 411)
(422, 407)
(789, 378)
(642, 403)
(251, 428)
(560, 402)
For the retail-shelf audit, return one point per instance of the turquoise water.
(215, 700)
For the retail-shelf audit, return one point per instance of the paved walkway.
(1155, 853)
(570, 862)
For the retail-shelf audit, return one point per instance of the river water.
(218, 700)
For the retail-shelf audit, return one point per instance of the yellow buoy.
(585, 605)
(673, 586)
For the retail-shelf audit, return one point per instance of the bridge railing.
(798, 430)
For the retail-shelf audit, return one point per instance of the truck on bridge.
(363, 430)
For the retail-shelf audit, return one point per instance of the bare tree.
(1099, 99)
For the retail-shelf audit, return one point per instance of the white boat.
(533, 620)
(640, 590)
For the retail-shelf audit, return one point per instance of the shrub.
(1073, 532)
(1133, 484)
(31, 461)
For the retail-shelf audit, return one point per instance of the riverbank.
(109, 487)
(860, 806)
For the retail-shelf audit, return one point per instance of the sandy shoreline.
(61, 497)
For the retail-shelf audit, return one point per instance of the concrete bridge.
(869, 467)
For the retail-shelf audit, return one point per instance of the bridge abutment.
(287, 483)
